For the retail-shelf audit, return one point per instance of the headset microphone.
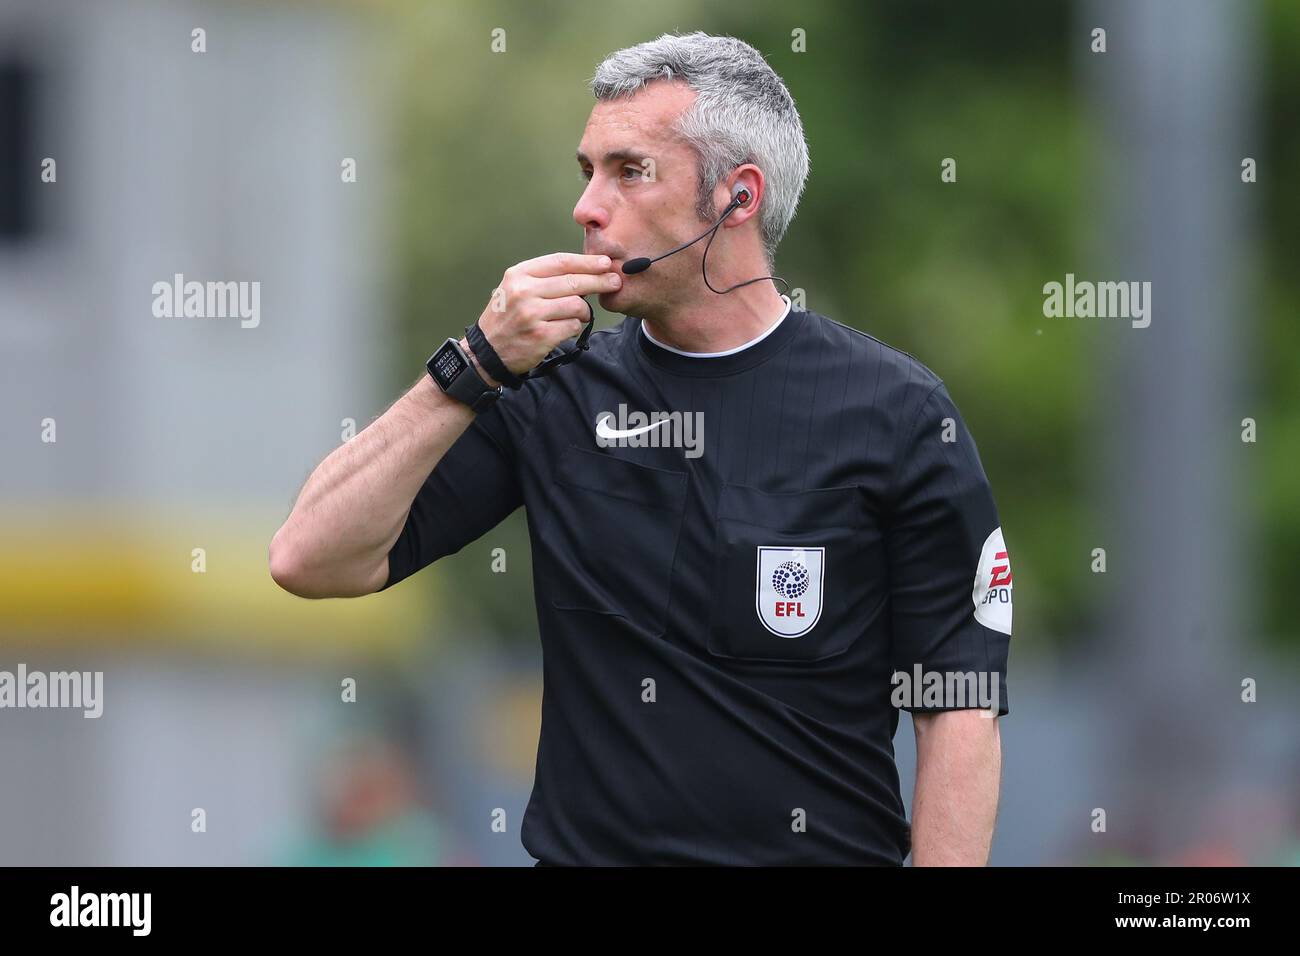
(633, 266)
(740, 196)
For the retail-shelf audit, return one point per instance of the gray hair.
(742, 114)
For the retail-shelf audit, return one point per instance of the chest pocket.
(620, 539)
(794, 576)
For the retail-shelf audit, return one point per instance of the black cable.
(705, 258)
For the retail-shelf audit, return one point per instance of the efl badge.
(992, 594)
(790, 589)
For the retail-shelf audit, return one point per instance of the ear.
(749, 177)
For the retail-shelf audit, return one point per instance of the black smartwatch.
(456, 375)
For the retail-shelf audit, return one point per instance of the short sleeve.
(950, 574)
(474, 486)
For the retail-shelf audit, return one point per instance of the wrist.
(430, 397)
(478, 366)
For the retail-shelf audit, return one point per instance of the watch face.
(446, 365)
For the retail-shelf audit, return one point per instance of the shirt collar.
(718, 364)
(739, 348)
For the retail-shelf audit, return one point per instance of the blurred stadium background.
(224, 693)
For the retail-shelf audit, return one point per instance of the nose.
(590, 213)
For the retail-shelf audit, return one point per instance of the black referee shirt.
(723, 598)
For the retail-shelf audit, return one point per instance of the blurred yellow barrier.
(128, 574)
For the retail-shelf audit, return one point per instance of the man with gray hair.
(723, 628)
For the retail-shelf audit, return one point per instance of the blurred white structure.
(173, 433)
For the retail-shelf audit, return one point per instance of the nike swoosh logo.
(604, 431)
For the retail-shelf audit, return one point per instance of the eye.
(634, 170)
(584, 173)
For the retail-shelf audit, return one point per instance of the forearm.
(351, 511)
(958, 770)
(336, 540)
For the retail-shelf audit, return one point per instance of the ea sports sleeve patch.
(992, 595)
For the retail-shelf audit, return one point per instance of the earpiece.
(741, 196)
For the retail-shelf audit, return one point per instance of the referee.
(756, 532)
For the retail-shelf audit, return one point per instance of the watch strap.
(488, 358)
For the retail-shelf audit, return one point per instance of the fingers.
(562, 263)
(540, 303)
(560, 329)
(562, 310)
(575, 283)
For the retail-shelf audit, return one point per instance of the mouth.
(616, 261)
(615, 265)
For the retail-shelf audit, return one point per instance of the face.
(626, 212)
